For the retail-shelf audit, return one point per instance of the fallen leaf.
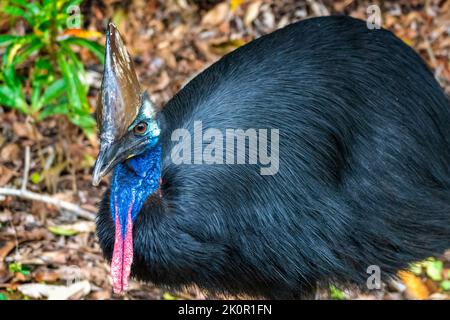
(168, 296)
(35, 234)
(80, 33)
(46, 276)
(55, 257)
(216, 15)
(62, 231)
(5, 175)
(235, 4)
(252, 12)
(163, 81)
(5, 248)
(72, 229)
(26, 130)
(101, 295)
(9, 152)
(54, 292)
(415, 288)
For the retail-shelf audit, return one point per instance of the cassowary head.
(129, 129)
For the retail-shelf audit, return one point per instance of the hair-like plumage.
(364, 174)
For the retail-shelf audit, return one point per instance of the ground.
(170, 41)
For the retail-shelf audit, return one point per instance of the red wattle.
(122, 254)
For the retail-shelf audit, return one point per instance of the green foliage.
(434, 269)
(445, 285)
(3, 296)
(62, 231)
(336, 294)
(17, 267)
(35, 178)
(40, 74)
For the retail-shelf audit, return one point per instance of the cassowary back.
(363, 177)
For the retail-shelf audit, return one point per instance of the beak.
(118, 105)
(106, 160)
(102, 165)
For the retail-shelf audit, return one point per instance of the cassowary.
(363, 177)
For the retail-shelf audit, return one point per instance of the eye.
(140, 128)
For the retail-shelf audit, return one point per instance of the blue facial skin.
(134, 181)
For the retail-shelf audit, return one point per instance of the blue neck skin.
(133, 182)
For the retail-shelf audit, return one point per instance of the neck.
(133, 182)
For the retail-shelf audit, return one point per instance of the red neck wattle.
(123, 253)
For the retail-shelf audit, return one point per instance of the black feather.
(364, 175)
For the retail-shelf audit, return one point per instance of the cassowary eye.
(140, 128)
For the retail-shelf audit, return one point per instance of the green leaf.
(416, 268)
(6, 97)
(12, 92)
(83, 121)
(53, 91)
(51, 110)
(35, 94)
(9, 98)
(44, 64)
(434, 269)
(445, 285)
(6, 38)
(3, 296)
(11, 79)
(336, 294)
(62, 231)
(15, 267)
(35, 177)
(93, 46)
(75, 64)
(18, 12)
(28, 51)
(33, 6)
(72, 83)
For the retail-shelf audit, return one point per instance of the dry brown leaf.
(216, 15)
(5, 248)
(46, 276)
(252, 12)
(101, 295)
(26, 130)
(52, 292)
(55, 257)
(5, 175)
(9, 152)
(163, 81)
(34, 234)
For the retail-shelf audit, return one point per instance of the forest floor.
(50, 253)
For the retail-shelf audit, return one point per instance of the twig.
(26, 169)
(25, 194)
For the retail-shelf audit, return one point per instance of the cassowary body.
(363, 179)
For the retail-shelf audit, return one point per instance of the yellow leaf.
(168, 296)
(81, 33)
(414, 286)
(234, 4)
(12, 53)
